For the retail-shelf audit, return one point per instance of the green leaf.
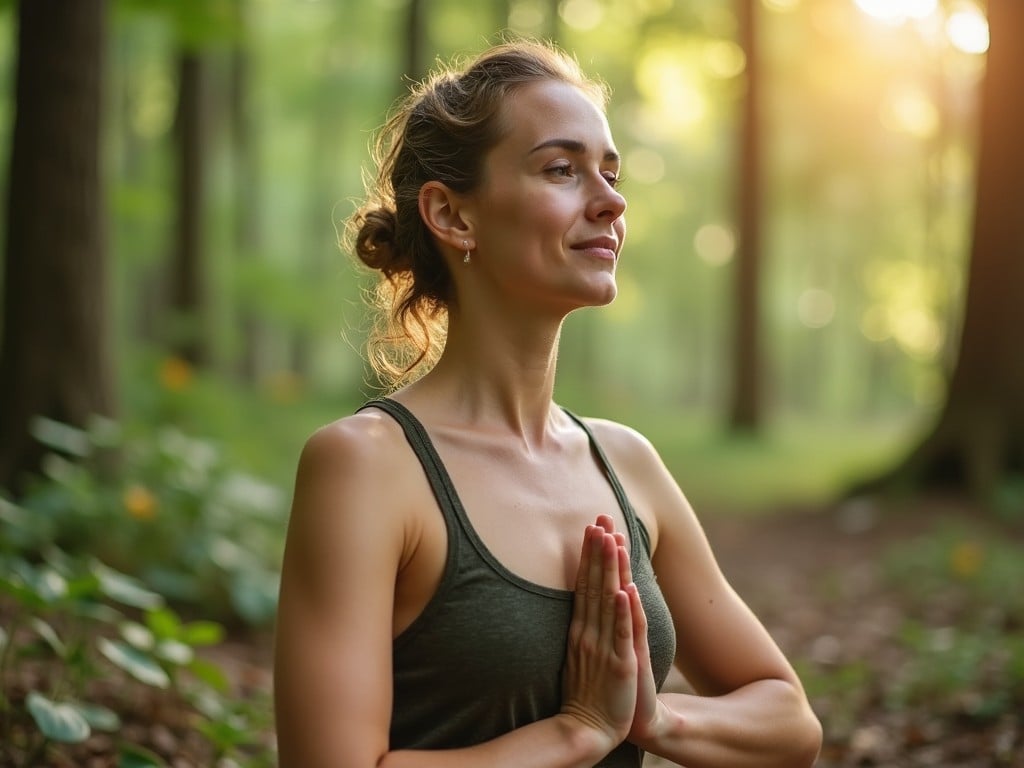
(202, 633)
(134, 756)
(63, 437)
(137, 664)
(97, 716)
(209, 673)
(124, 589)
(57, 722)
(174, 651)
(138, 636)
(49, 634)
(163, 622)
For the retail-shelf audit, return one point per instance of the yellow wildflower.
(966, 559)
(140, 503)
(175, 374)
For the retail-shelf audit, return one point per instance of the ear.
(446, 215)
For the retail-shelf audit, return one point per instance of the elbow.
(807, 740)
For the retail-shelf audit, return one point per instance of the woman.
(473, 576)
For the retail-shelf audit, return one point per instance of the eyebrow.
(577, 147)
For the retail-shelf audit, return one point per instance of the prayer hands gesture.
(609, 684)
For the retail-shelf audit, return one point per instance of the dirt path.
(816, 580)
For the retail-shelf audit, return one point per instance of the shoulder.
(626, 448)
(347, 470)
(363, 438)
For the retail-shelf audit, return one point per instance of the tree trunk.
(745, 407)
(248, 198)
(55, 357)
(415, 41)
(188, 279)
(979, 436)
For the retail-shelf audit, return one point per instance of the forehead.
(552, 109)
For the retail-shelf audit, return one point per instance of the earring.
(466, 258)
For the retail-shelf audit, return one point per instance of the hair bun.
(375, 242)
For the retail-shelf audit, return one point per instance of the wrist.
(588, 742)
(666, 726)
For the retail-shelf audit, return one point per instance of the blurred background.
(819, 299)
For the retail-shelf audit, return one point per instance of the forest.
(815, 326)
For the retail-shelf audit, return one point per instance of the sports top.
(486, 654)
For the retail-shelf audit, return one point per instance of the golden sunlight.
(672, 88)
(898, 11)
(715, 244)
(781, 6)
(967, 29)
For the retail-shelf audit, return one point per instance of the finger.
(611, 583)
(595, 579)
(579, 606)
(639, 623)
(606, 522)
(624, 643)
(625, 571)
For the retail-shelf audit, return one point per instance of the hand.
(600, 683)
(647, 705)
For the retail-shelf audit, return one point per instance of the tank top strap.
(636, 526)
(437, 475)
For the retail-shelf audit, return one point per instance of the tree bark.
(415, 41)
(978, 438)
(55, 357)
(188, 278)
(248, 197)
(745, 406)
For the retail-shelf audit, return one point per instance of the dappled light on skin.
(715, 244)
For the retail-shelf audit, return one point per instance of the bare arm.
(351, 530)
(750, 708)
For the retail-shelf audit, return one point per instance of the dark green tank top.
(485, 656)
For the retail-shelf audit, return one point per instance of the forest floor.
(821, 582)
(818, 579)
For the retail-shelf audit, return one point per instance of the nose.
(607, 203)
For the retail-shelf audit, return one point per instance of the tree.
(188, 274)
(979, 435)
(55, 358)
(745, 406)
(416, 41)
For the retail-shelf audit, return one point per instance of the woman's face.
(548, 221)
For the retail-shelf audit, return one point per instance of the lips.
(599, 246)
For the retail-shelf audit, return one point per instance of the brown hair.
(440, 132)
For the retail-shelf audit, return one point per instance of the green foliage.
(957, 652)
(161, 505)
(68, 627)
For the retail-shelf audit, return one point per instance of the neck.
(500, 377)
